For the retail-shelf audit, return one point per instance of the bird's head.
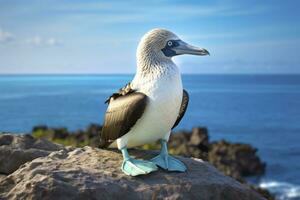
(164, 44)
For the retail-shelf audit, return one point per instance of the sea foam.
(282, 190)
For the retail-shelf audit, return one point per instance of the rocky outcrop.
(237, 160)
(233, 159)
(90, 136)
(190, 144)
(16, 150)
(92, 173)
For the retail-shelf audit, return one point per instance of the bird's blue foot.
(134, 167)
(167, 162)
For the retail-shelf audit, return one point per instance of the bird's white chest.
(165, 97)
(164, 92)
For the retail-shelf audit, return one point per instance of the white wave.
(282, 190)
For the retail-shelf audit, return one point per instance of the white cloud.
(52, 42)
(39, 41)
(5, 36)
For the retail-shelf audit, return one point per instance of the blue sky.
(101, 36)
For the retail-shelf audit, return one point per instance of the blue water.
(263, 110)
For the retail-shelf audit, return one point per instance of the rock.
(92, 173)
(2, 176)
(16, 150)
(93, 132)
(194, 144)
(90, 136)
(263, 192)
(236, 160)
(199, 138)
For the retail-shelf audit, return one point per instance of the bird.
(147, 108)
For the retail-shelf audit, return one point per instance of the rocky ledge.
(17, 150)
(92, 173)
(233, 159)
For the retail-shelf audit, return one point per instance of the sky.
(95, 37)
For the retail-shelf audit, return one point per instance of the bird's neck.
(151, 64)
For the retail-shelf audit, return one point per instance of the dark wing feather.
(121, 115)
(184, 105)
(122, 91)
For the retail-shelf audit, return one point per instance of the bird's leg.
(134, 167)
(167, 162)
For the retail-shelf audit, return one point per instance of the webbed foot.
(167, 162)
(134, 167)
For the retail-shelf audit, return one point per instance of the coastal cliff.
(92, 173)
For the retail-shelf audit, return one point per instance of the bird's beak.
(184, 48)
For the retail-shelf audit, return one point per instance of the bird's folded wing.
(184, 105)
(122, 114)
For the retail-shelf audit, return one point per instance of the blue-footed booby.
(151, 105)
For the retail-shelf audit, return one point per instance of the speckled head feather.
(156, 39)
(149, 51)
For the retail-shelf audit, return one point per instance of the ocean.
(262, 110)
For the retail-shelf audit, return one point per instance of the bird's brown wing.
(122, 113)
(184, 105)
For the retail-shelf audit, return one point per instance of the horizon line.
(101, 74)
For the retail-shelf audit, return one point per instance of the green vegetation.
(79, 138)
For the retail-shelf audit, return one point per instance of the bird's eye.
(170, 43)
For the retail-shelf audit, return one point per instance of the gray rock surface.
(16, 150)
(92, 173)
